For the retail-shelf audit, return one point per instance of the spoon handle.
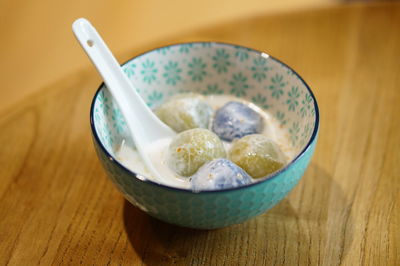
(144, 122)
(144, 125)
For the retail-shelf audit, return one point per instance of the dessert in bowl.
(222, 73)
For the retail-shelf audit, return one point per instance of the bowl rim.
(258, 182)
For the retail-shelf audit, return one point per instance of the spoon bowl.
(144, 126)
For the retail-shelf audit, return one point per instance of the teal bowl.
(209, 68)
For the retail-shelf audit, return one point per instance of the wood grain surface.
(58, 207)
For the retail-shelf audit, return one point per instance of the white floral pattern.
(212, 68)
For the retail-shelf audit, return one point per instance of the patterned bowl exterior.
(209, 68)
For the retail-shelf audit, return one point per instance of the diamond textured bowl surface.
(209, 68)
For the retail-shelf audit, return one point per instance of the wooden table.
(58, 207)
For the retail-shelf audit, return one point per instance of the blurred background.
(40, 32)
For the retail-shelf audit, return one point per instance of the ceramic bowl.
(209, 68)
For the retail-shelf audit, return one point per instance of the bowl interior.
(211, 68)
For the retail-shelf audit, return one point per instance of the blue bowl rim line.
(270, 177)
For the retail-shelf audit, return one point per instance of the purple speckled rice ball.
(219, 174)
(235, 120)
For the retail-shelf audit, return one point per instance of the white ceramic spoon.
(144, 125)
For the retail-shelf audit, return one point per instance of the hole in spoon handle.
(90, 43)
